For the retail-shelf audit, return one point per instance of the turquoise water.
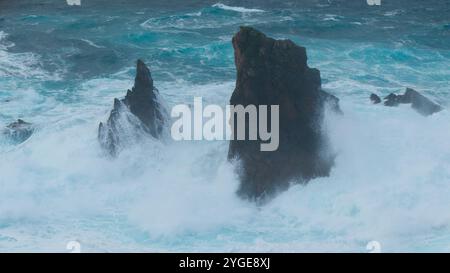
(61, 67)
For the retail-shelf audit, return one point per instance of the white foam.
(237, 9)
(22, 65)
(92, 43)
(390, 184)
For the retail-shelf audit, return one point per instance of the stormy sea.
(61, 66)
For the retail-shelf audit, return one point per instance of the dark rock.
(142, 100)
(18, 131)
(418, 102)
(330, 100)
(140, 110)
(392, 100)
(275, 72)
(375, 98)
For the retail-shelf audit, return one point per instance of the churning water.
(61, 66)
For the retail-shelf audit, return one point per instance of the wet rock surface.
(139, 111)
(275, 72)
(418, 102)
(375, 99)
(18, 131)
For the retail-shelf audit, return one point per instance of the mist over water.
(61, 67)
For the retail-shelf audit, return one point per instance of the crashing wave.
(237, 9)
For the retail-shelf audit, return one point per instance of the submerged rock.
(275, 72)
(375, 99)
(418, 102)
(392, 100)
(139, 112)
(18, 131)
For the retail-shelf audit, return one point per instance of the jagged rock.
(418, 102)
(275, 72)
(139, 111)
(392, 100)
(375, 99)
(18, 131)
(421, 103)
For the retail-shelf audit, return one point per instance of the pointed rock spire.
(142, 102)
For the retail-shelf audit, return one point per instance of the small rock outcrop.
(18, 131)
(275, 72)
(139, 112)
(375, 99)
(418, 102)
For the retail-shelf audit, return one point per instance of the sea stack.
(139, 112)
(275, 72)
(420, 103)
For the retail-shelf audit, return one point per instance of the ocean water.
(61, 66)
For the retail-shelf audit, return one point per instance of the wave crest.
(237, 9)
